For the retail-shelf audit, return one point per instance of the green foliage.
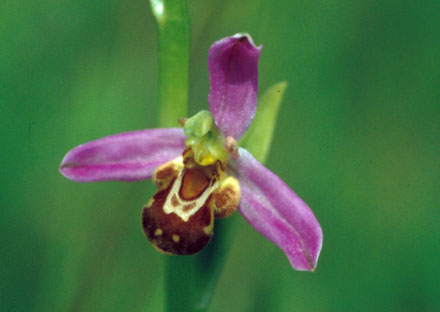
(259, 136)
(174, 35)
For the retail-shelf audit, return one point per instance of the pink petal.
(126, 156)
(233, 75)
(274, 210)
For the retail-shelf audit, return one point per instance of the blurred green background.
(357, 138)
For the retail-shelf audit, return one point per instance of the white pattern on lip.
(180, 210)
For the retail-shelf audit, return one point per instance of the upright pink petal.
(126, 156)
(274, 210)
(233, 75)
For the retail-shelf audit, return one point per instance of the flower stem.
(174, 36)
(191, 280)
(182, 280)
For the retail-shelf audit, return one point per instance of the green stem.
(174, 36)
(189, 280)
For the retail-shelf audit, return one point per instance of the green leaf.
(258, 138)
(174, 35)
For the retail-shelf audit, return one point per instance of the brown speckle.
(226, 200)
(174, 201)
(189, 207)
(165, 173)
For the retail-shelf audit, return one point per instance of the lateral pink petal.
(128, 156)
(275, 211)
(233, 76)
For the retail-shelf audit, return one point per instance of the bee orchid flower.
(201, 173)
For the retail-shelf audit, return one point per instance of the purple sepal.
(275, 211)
(127, 156)
(233, 76)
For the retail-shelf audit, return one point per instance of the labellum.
(192, 191)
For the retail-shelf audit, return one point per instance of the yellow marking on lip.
(150, 203)
(158, 232)
(176, 238)
(209, 229)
